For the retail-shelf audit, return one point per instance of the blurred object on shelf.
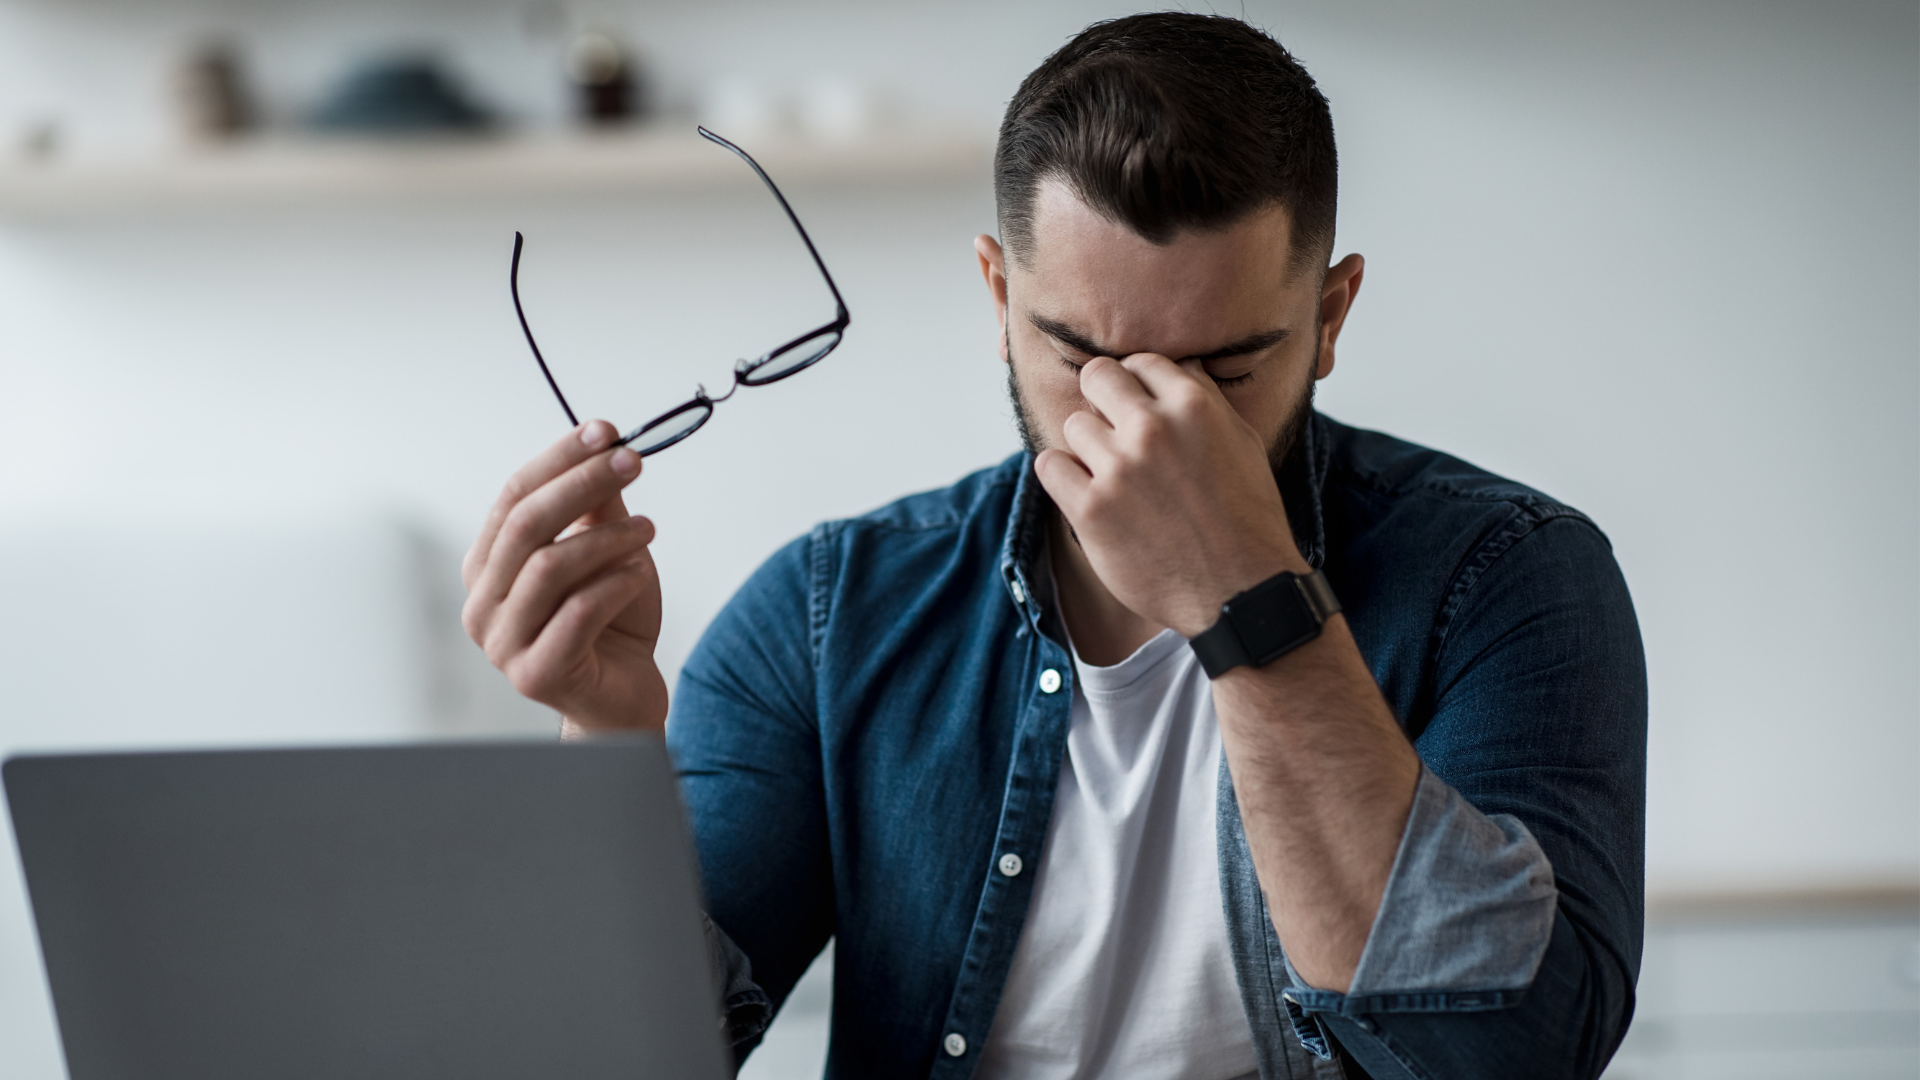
(406, 94)
(829, 108)
(210, 91)
(39, 142)
(837, 109)
(745, 109)
(607, 87)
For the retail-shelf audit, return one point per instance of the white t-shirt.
(1123, 967)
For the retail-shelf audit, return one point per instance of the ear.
(993, 267)
(1336, 299)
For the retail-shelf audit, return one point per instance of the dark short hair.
(1171, 121)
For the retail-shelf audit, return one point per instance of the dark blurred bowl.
(400, 95)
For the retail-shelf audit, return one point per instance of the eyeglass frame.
(743, 370)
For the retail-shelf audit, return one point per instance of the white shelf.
(270, 172)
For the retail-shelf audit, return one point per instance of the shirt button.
(954, 1044)
(1019, 594)
(1049, 681)
(1011, 865)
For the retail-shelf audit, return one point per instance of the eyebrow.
(1068, 336)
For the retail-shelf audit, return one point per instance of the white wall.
(1660, 261)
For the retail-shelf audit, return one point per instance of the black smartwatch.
(1266, 622)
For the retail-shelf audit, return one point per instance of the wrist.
(1206, 610)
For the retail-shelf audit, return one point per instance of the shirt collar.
(1027, 571)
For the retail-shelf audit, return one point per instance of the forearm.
(1324, 779)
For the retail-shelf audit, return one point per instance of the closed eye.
(1222, 381)
(1066, 338)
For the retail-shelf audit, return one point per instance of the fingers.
(550, 663)
(551, 574)
(614, 509)
(538, 518)
(1133, 402)
(569, 450)
(1113, 387)
(1167, 381)
(1091, 439)
(1066, 479)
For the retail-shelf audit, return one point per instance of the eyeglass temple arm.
(791, 216)
(513, 283)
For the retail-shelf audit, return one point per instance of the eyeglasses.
(683, 420)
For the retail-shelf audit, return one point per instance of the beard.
(1279, 445)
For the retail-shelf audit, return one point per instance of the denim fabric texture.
(880, 714)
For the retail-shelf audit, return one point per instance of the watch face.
(1271, 618)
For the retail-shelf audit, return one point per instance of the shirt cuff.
(1465, 920)
(745, 1009)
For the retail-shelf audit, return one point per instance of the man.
(1206, 738)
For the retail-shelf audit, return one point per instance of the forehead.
(1104, 279)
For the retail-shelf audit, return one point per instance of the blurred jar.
(740, 107)
(607, 86)
(211, 95)
(836, 109)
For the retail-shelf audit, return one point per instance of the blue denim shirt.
(864, 731)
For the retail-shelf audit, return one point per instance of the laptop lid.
(461, 910)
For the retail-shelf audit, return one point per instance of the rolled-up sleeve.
(1468, 907)
(1508, 939)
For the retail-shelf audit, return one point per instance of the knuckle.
(541, 567)
(514, 490)
(518, 529)
(533, 675)
(472, 622)
(528, 681)
(499, 656)
(492, 638)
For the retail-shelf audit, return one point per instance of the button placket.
(989, 945)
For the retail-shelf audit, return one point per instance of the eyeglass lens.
(791, 358)
(664, 431)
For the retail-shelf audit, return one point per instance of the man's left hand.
(1168, 490)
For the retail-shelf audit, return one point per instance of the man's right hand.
(561, 589)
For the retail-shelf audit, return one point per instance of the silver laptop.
(471, 910)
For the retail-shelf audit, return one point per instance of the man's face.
(1231, 298)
